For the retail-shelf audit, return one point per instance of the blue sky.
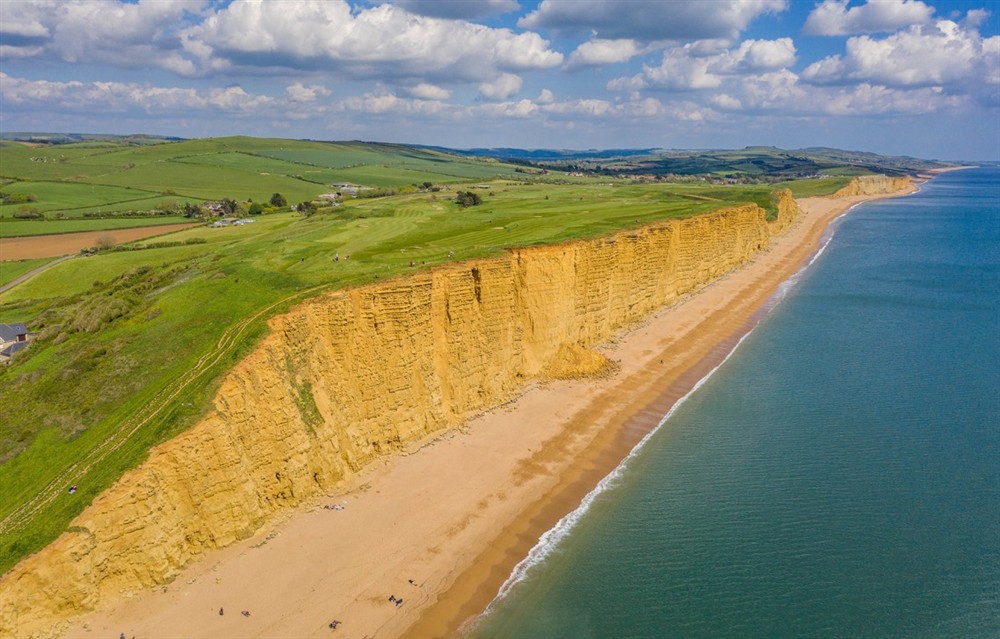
(890, 76)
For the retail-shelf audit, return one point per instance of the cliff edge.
(873, 185)
(353, 375)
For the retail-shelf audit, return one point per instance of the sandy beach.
(441, 526)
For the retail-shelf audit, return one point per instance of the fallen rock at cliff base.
(573, 361)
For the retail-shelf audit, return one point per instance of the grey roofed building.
(13, 333)
(9, 351)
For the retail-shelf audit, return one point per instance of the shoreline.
(443, 529)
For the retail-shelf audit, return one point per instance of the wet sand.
(456, 513)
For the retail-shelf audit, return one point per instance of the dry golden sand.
(457, 513)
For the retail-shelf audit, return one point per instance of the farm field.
(54, 228)
(68, 182)
(47, 246)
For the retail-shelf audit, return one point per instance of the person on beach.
(220, 612)
(334, 624)
(245, 613)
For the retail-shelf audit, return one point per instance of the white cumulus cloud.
(107, 31)
(833, 17)
(599, 52)
(502, 88)
(939, 54)
(119, 97)
(382, 42)
(425, 91)
(298, 92)
(690, 67)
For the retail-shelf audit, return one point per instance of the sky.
(889, 76)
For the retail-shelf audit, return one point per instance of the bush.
(28, 213)
(16, 198)
(104, 243)
(466, 199)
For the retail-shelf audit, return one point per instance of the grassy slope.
(758, 162)
(73, 179)
(121, 327)
(10, 271)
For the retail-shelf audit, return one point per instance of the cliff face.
(873, 185)
(356, 374)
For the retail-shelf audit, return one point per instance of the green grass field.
(10, 271)
(814, 187)
(67, 181)
(132, 343)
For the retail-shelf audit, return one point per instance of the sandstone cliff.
(873, 185)
(356, 374)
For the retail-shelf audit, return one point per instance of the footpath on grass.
(30, 274)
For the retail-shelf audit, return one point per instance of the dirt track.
(26, 248)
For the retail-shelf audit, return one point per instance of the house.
(8, 351)
(13, 337)
(13, 333)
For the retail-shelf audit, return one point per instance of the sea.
(837, 476)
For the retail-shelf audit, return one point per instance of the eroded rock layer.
(873, 185)
(354, 375)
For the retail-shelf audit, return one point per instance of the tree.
(466, 199)
(306, 208)
(255, 209)
(191, 210)
(229, 207)
(278, 200)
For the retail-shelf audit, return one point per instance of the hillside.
(751, 164)
(103, 182)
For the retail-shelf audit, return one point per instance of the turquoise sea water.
(839, 476)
